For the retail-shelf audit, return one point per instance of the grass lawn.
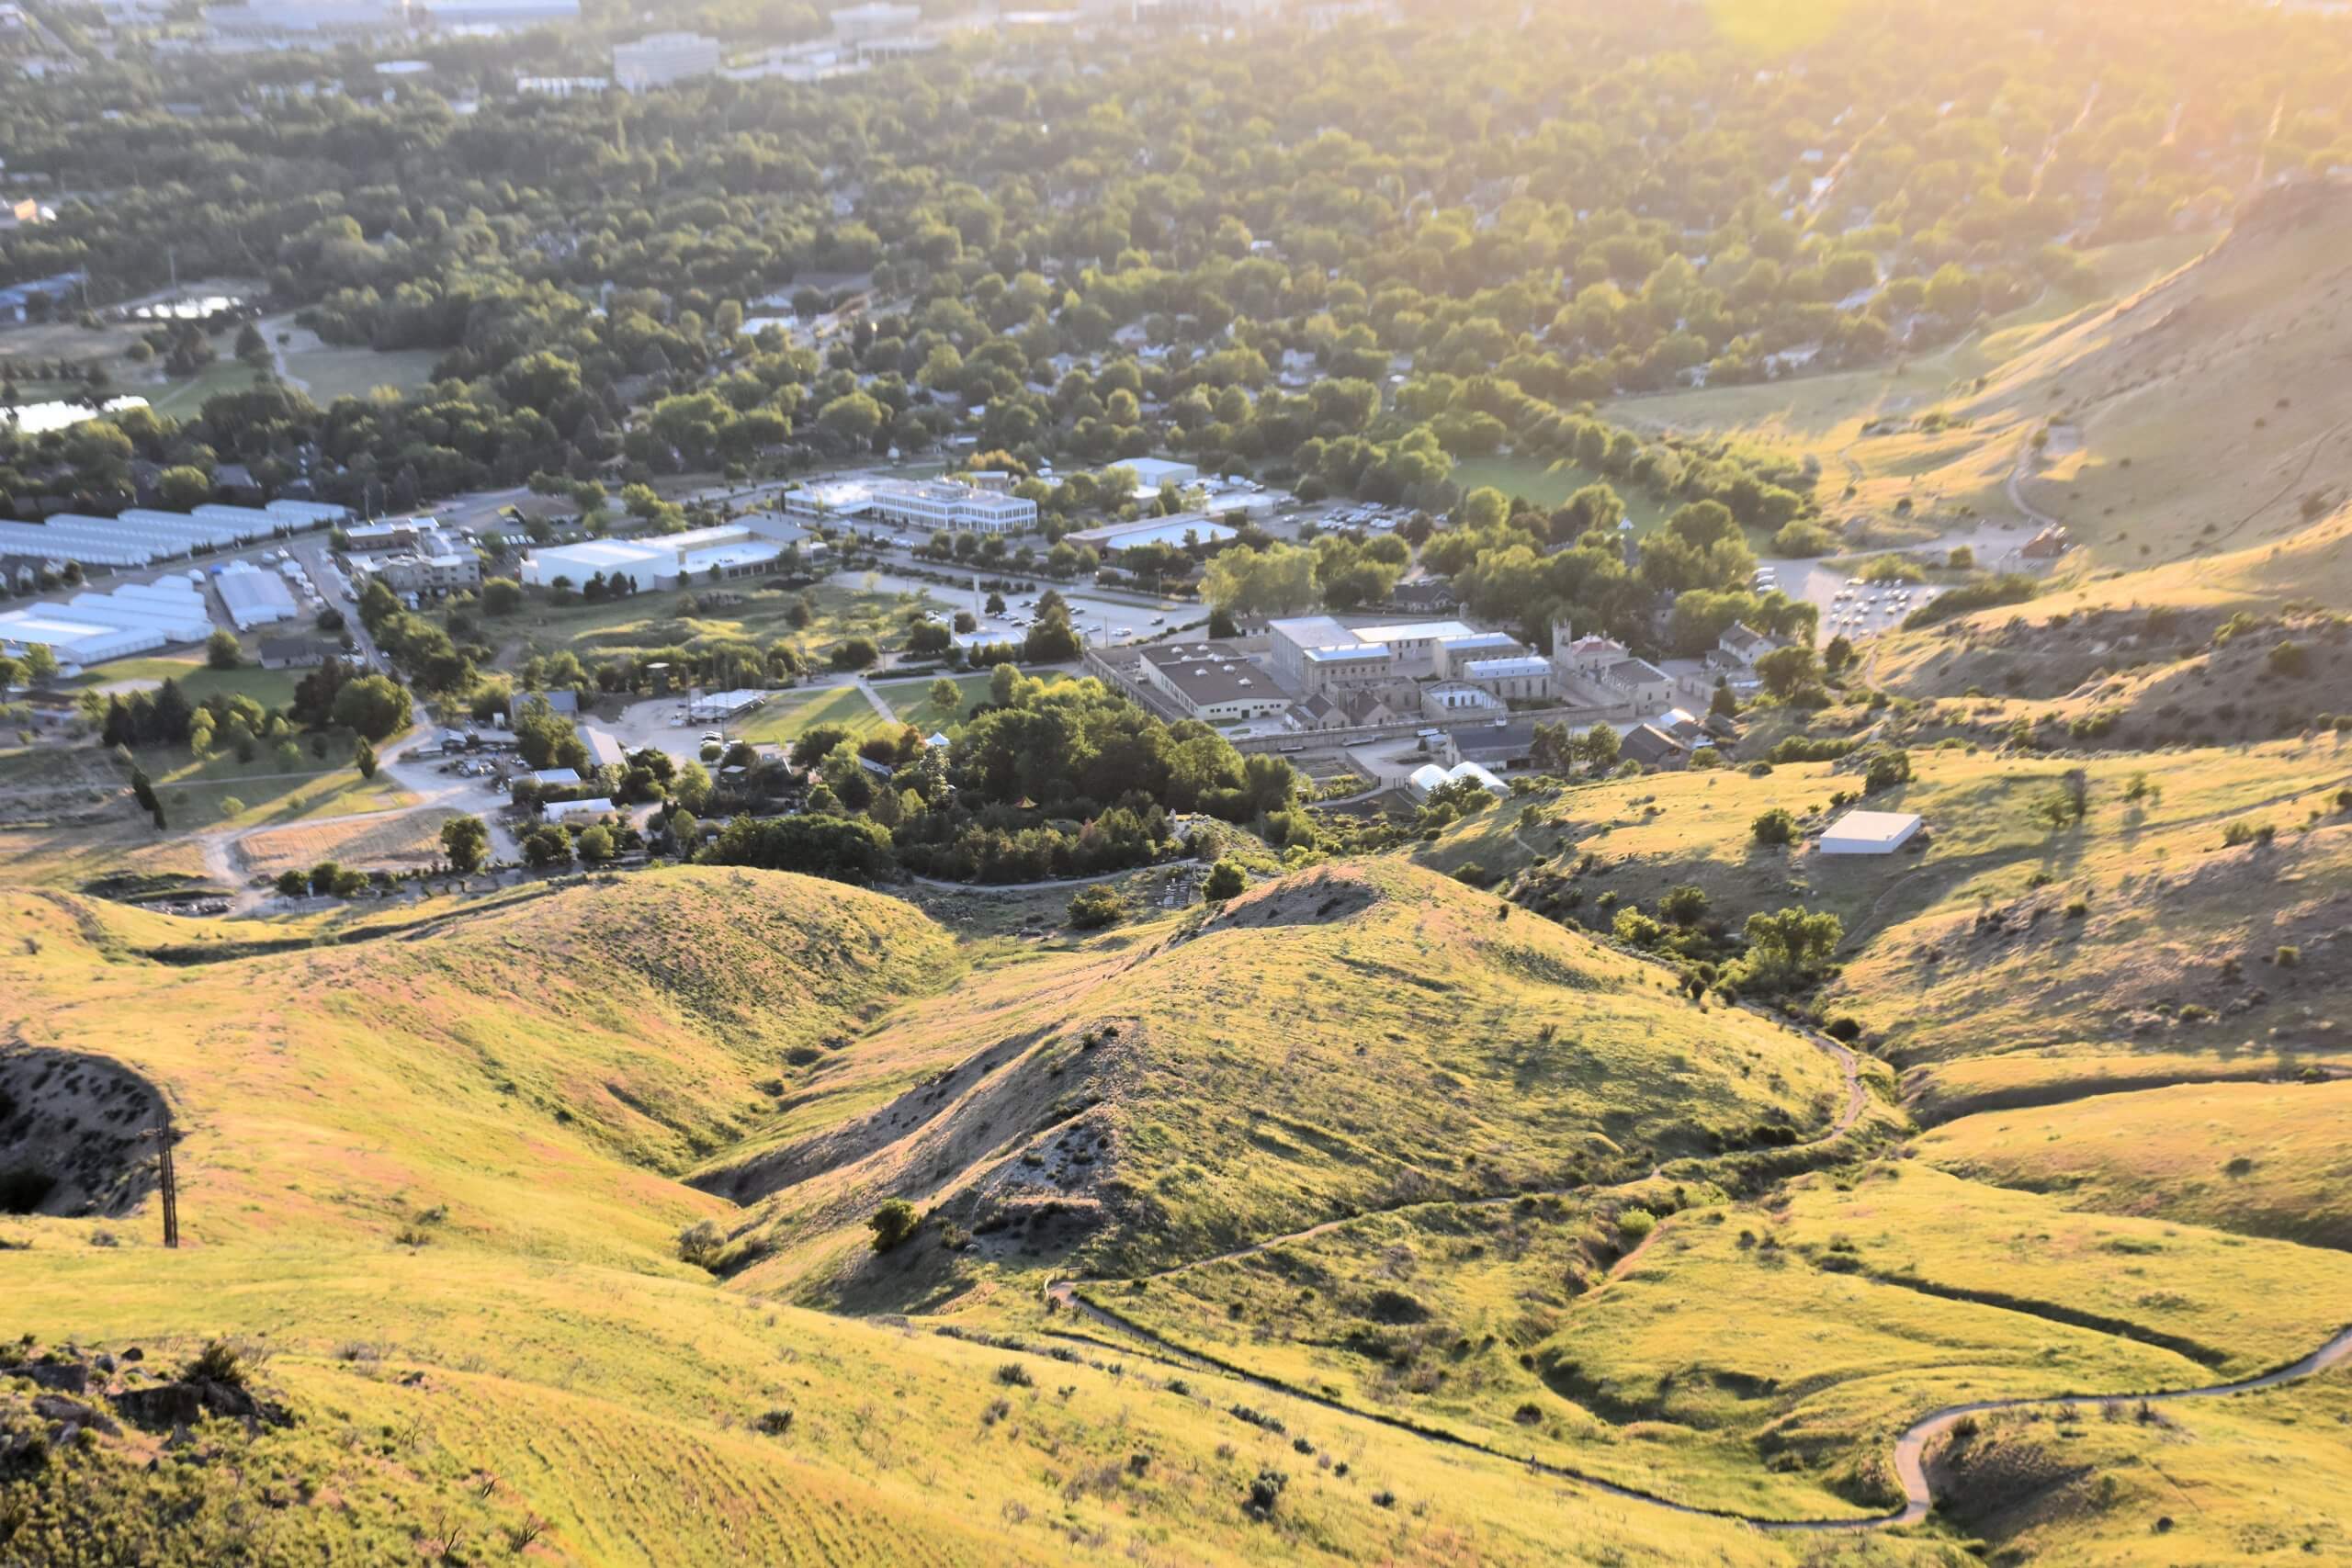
(332, 373)
(785, 718)
(182, 399)
(911, 700)
(687, 617)
(1548, 484)
(271, 688)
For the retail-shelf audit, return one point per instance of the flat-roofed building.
(1181, 531)
(665, 560)
(928, 505)
(1211, 685)
(1871, 832)
(1520, 676)
(1153, 473)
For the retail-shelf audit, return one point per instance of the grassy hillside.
(2265, 1159)
(2140, 923)
(539, 1061)
(425, 1184)
(1348, 1039)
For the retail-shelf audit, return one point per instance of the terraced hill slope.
(1352, 1038)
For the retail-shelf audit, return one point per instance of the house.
(564, 703)
(603, 749)
(2048, 544)
(1643, 684)
(1428, 596)
(1870, 832)
(293, 653)
(1742, 646)
(1652, 747)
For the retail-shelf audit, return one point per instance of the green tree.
(595, 844)
(221, 651)
(547, 846)
(946, 697)
(1785, 671)
(466, 842)
(1775, 826)
(1226, 880)
(373, 707)
(1789, 950)
(183, 487)
(362, 757)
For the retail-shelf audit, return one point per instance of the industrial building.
(253, 597)
(1153, 473)
(665, 560)
(659, 59)
(142, 536)
(1188, 529)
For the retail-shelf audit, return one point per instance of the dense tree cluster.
(1518, 219)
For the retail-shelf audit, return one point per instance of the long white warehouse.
(99, 627)
(254, 597)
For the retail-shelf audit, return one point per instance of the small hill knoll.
(570, 1046)
(1350, 1038)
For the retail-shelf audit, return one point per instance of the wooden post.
(171, 1185)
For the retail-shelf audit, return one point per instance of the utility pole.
(170, 1182)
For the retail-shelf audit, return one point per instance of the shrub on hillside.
(893, 1222)
(701, 1242)
(1096, 908)
(2012, 588)
(1775, 826)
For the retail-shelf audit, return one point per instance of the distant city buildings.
(660, 59)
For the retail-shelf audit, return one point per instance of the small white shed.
(1869, 833)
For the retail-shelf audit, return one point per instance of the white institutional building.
(914, 504)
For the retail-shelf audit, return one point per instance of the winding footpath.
(1910, 1448)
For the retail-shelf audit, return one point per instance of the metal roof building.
(254, 597)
